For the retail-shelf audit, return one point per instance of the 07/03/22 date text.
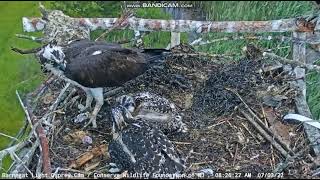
(248, 175)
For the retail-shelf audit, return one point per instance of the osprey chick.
(141, 148)
(155, 110)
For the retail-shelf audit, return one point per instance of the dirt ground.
(220, 138)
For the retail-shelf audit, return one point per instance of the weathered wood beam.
(299, 54)
(283, 25)
(175, 39)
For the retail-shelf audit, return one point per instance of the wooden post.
(175, 39)
(313, 53)
(137, 39)
(299, 54)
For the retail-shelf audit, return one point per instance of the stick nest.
(220, 138)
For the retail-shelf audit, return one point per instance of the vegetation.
(16, 71)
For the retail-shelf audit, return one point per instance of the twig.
(200, 41)
(119, 23)
(273, 162)
(265, 135)
(260, 124)
(204, 54)
(41, 89)
(229, 151)
(201, 163)
(24, 108)
(70, 170)
(54, 106)
(44, 149)
(39, 166)
(181, 143)
(44, 85)
(32, 38)
(27, 156)
(15, 139)
(316, 172)
(52, 130)
(20, 133)
(246, 128)
(21, 162)
(73, 91)
(11, 149)
(292, 62)
(44, 145)
(214, 125)
(283, 165)
(235, 156)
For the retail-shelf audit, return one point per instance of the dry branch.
(20, 133)
(24, 108)
(265, 134)
(206, 55)
(41, 89)
(261, 125)
(44, 146)
(43, 142)
(5, 135)
(289, 159)
(54, 106)
(292, 62)
(32, 38)
(200, 41)
(120, 23)
(11, 150)
(27, 154)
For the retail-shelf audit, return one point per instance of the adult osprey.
(138, 147)
(155, 110)
(93, 65)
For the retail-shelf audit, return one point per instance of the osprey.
(93, 65)
(155, 110)
(140, 148)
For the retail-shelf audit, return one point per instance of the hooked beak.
(26, 51)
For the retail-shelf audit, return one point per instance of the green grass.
(16, 71)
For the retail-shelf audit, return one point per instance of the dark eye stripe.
(56, 54)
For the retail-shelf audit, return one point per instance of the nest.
(217, 99)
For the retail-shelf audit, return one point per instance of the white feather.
(303, 119)
(96, 53)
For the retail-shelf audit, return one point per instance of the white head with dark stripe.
(52, 54)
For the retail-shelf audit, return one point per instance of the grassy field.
(16, 71)
(23, 72)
